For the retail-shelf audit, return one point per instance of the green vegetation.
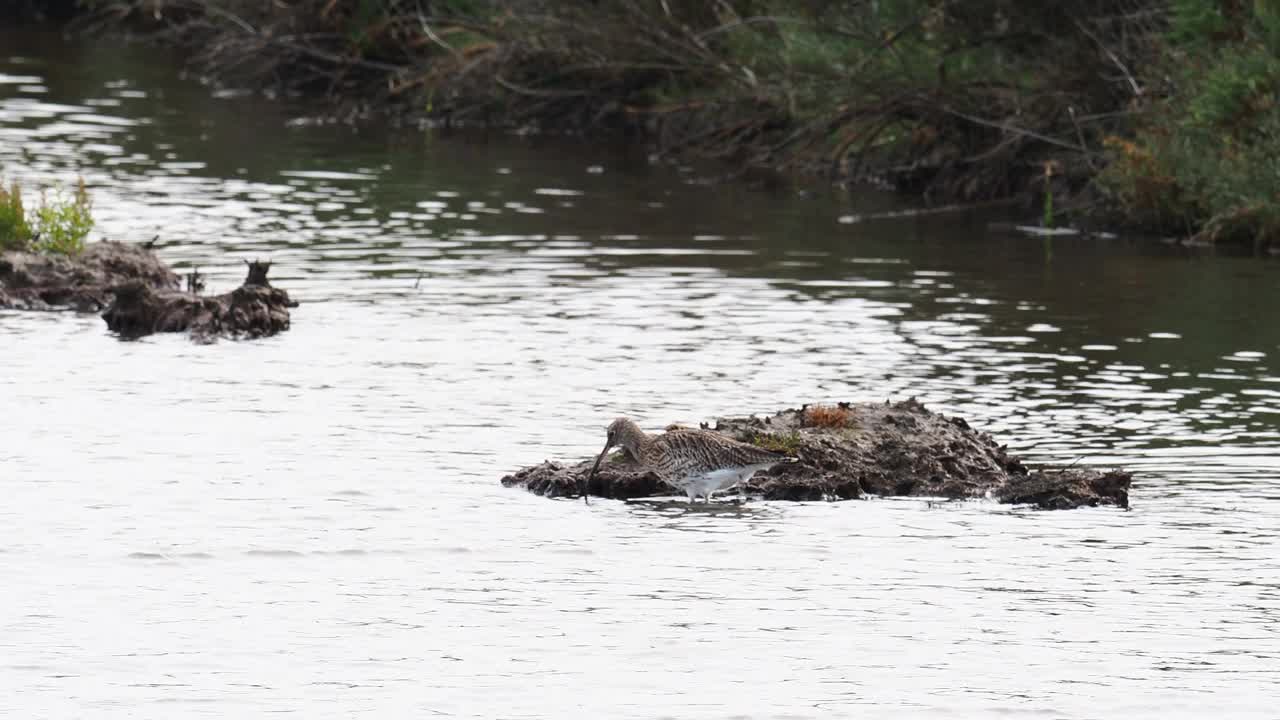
(785, 443)
(58, 225)
(1157, 114)
(1206, 158)
(1046, 208)
(15, 233)
(63, 224)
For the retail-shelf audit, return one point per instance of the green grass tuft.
(15, 233)
(785, 443)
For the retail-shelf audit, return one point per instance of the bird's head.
(620, 432)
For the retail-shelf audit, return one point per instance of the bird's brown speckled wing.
(681, 453)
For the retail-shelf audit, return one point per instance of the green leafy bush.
(1208, 158)
(63, 224)
(59, 225)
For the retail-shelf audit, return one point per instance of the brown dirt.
(35, 281)
(889, 449)
(138, 294)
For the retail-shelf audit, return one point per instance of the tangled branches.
(952, 100)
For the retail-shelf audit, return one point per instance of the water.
(312, 524)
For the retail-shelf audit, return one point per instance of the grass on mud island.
(785, 443)
(58, 225)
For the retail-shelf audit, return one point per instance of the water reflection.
(185, 516)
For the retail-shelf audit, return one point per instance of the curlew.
(697, 462)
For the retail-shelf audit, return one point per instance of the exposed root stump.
(255, 309)
(851, 450)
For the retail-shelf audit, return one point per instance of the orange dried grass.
(828, 416)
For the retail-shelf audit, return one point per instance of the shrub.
(1208, 158)
(63, 224)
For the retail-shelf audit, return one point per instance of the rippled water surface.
(312, 524)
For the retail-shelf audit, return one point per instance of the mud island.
(852, 450)
(138, 294)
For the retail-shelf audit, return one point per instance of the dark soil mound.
(36, 281)
(851, 450)
(138, 294)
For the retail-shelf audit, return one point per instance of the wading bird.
(697, 462)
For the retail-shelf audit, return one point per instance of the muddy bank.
(138, 294)
(84, 283)
(851, 450)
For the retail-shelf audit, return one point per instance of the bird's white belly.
(709, 482)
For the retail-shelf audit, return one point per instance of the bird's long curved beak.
(586, 482)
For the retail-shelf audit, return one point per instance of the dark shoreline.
(1058, 113)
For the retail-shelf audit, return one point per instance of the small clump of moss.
(785, 443)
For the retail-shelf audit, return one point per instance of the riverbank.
(1157, 117)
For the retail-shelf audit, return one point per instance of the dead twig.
(1137, 90)
(534, 92)
(1016, 130)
